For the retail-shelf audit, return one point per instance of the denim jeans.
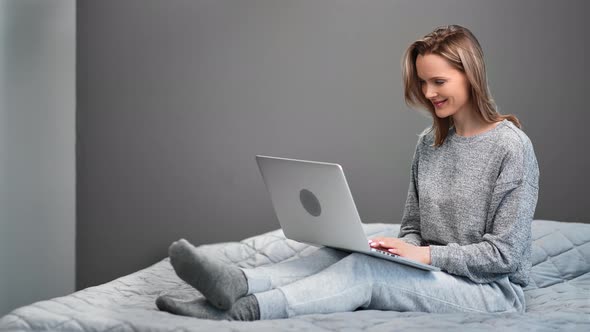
(330, 280)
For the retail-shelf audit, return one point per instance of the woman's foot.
(220, 283)
(245, 309)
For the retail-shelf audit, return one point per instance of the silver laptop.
(314, 205)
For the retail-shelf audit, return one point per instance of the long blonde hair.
(462, 50)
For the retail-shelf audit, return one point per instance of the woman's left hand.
(401, 248)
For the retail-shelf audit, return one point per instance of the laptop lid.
(313, 202)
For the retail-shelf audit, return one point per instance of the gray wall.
(37, 150)
(175, 98)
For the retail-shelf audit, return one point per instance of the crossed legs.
(228, 289)
(327, 281)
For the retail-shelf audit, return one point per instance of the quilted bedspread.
(558, 297)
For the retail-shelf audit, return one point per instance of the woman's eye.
(435, 82)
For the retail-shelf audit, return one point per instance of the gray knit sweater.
(472, 200)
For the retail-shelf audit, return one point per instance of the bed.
(558, 296)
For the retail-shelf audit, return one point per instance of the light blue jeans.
(331, 280)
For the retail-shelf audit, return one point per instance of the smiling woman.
(470, 203)
(445, 73)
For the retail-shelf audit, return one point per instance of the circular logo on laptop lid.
(310, 202)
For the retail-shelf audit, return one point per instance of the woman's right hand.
(401, 248)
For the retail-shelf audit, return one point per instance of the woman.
(470, 203)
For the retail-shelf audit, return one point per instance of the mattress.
(558, 296)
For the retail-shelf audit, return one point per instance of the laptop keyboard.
(384, 252)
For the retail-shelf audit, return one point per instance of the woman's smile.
(439, 104)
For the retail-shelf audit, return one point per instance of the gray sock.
(220, 283)
(245, 309)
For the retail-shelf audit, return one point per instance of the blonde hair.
(462, 51)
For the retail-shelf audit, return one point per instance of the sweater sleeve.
(508, 236)
(410, 224)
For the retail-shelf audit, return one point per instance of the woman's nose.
(429, 92)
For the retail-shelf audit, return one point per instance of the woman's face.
(446, 87)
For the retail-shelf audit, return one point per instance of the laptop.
(314, 205)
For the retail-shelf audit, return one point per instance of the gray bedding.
(558, 297)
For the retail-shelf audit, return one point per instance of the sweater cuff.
(439, 256)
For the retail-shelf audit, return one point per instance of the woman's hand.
(401, 248)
